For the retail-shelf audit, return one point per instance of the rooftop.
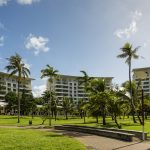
(141, 69)
(71, 76)
(14, 76)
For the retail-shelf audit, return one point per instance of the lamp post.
(142, 75)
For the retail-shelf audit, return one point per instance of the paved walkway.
(93, 142)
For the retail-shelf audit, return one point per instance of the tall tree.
(83, 107)
(17, 67)
(67, 105)
(98, 98)
(52, 74)
(129, 53)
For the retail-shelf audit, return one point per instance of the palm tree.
(129, 53)
(51, 73)
(85, 79)
(17, 67)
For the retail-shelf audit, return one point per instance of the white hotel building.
(68, 86)
(143, 74)
(9, 83)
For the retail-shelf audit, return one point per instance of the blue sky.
(74, 35)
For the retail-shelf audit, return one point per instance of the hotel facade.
(68, 86)
(10, 83)
(143, 75)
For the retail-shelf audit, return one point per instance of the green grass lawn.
(126, 123)
(28, 139)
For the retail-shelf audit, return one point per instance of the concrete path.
(93, 142)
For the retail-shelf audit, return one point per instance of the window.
(146, 90)
(14, 90)
(14, 85)
(9, 89)
(146, 82)
(9, 84)
(145, 86)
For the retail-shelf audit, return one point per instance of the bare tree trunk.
(49, 111)
(115, 118)
(84, 116)
(55, 114)
(112, 117)
(103, 114)
(96, 119)
(146, 115)
(44, 121)
(66, 115)
(139, 118)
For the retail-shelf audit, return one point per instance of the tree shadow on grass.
(130, 124)
(54, 135)
(88, 122)
(9, 118)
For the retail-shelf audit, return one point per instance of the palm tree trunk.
(139, 118)
(66, 115)
(55, 113)
(96, 119)
(115, 118)
(103, 114)
(18, 101)
(84, 116)
(49, 112)
(132, 103)
(146, 115)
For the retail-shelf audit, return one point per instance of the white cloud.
(3, 2)
(38, 90)
(27, 2)
(1, 41)
(127, 32)
(136, 15)
(37, 44)
(132, 28)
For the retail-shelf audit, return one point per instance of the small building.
(10, 83)
(142, 75)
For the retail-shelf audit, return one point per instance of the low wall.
(106, 133)
(137, 134)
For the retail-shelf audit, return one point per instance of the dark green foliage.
(28, 103)
(11, 99)
(39, 101)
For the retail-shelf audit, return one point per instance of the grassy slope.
(19, 139)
